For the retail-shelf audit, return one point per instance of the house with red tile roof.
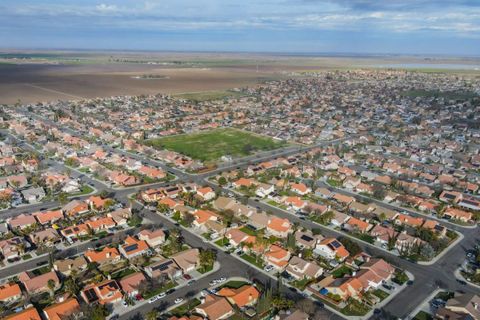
(356, 225)
(277, 257)
(100, 224)
(243, 182)
(133, 247)
(37, 284)
(97, 203)
(75, 208)
(152, 173)
(153, 238)
(374, 272)
(21, 221)
(10, 292)
(300, 188)
(331, 248)
(202, 216)
(237, 237)
(206, 193)
(402, 219)
(103, 256)
(130, 283)
(153, 195)
(346, 288)
(295, 203)
(106, 292)
(245, 296)
(62, 310)
(278, 227)
(27, 314)
(48, 217)
(215, 308)
(74, 232)
(457, 214)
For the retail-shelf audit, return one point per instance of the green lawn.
(253, 260)
(159, 290)
(422, 315)
(381, 294)
(341, 272)
(209, 95)
(213, 144)
(182, 310)
(249, 231)
(235, 284)
(222, 242)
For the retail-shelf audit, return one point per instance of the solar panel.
(91, 295)
(131, 247)
(162, 267)
(306, 238)
(336, 244)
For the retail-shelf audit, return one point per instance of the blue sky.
(353, 26)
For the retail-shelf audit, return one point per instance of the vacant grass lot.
(211, 145)
(209, 95)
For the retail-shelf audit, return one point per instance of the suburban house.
(100, 224)
(153, 238)
(105, 292)
(246, 295)
(278, 227)
(306, 239)
(301, 269)
(75, 207)
(215, 308)
(237, 237)
(103, 256)
(300, 188)
(21, 221)
(67, 266)
(48, 217)
(164, 267)
(27, 314)
(62, 310)
(131, 283)
(37, 284)
(10, 292)
(133, 248)
(188, 260)
(206, 193)
(345, 288)
(331, 248)
(374, 272)
(457, 214)
(277, 257)
(33, 195)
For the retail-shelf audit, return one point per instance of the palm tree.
(51, 286)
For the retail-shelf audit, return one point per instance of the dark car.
(461, 282)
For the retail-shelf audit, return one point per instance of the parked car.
(178, 300)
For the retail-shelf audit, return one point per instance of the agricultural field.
(211, 145)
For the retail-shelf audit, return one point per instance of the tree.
(352, 247)
(222, 181)
(51, 287)
(63, 197)
(163, 208)
(152, 315)
(71, 286)
(282, 303)
(188, 218)
(326, 218)
(207, 258)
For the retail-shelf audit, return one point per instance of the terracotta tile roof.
(245, 295)
(59, 311)
(27, 314)
(9, 290)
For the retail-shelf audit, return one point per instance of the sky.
(450, 27)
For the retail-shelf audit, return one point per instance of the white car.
(213, 282)
(152, 300)
(178, 300)
(221, 280)
(124, 303)
(268, 268)
(161, 295)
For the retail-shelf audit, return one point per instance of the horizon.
(288, 26)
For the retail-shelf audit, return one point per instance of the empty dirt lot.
(31, 83)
